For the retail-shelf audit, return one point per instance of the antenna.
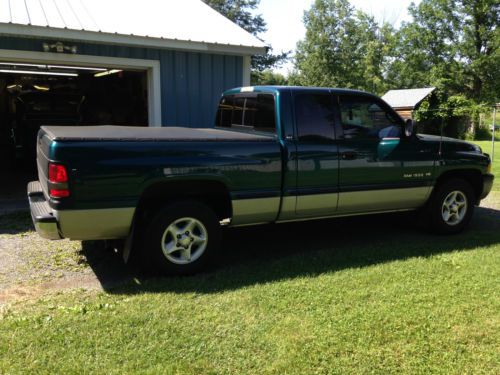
(441, 137)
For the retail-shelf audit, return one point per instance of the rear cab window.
(253, 112)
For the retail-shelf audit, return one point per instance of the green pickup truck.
(276, 154)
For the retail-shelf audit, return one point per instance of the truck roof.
(277, 89)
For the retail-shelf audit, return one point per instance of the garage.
(32, 95)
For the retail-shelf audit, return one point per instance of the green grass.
(369, 295)
(486, 147)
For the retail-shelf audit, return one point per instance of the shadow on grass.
(255, 255)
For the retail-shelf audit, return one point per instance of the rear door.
(316, 154)
(255, 168)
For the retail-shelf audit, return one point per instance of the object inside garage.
(32, 95)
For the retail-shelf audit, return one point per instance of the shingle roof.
(406, 98)
(186, 20)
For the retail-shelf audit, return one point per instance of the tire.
(451, 207)
(182, 238)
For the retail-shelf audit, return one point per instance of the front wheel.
(451, 207)
(182, 238)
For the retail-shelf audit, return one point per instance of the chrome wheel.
(184, 241)
(454, 208)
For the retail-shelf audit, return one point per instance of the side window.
(366, 118)
(265, 114)
(253, 112)
(314, 115)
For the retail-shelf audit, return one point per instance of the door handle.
(349, 155)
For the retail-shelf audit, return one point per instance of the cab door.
(374, 158)
(316, 154)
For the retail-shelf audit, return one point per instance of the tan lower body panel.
(258, 211)
(255, 211)
(98, 224)
(317, 204)
(387, 199)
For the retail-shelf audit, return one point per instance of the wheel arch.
(210, 191)
(470, 175)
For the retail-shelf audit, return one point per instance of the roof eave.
(404, 108)
(38, 32)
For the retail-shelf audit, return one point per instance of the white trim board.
(152, 68)
(247, 68)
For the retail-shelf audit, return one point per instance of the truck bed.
(136, 133)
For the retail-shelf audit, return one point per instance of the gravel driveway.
(31, 265)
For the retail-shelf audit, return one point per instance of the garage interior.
(32, 95)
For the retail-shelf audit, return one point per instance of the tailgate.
(42, 159)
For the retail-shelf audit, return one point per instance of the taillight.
(58, 181)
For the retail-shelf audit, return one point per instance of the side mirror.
(409, 127)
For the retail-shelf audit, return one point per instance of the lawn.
(365, 295)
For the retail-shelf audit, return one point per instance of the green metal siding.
(191, 83)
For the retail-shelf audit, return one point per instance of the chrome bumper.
(43, 218)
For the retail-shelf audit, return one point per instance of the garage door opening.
(32, 95)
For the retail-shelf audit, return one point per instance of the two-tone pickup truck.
(276, 154)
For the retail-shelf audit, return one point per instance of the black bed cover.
(139, 133)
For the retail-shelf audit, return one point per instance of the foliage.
(452, 45)
(453, 106)
(343, 48)
(268, 77)
(269, 60)
(242, 13)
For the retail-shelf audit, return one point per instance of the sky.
(285, 26)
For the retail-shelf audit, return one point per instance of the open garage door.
(32, 95)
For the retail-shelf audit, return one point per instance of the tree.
(240, 12)
(268, 77)
(451, 44)
(343, 48)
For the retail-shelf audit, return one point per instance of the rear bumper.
(487, 185)
(43, 218)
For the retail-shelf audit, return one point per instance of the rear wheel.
(451, 207)
(182, 238)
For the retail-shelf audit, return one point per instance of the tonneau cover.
(139, 133)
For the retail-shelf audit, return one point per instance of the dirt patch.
(33, 291)
(31, 266)
(26, 257)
